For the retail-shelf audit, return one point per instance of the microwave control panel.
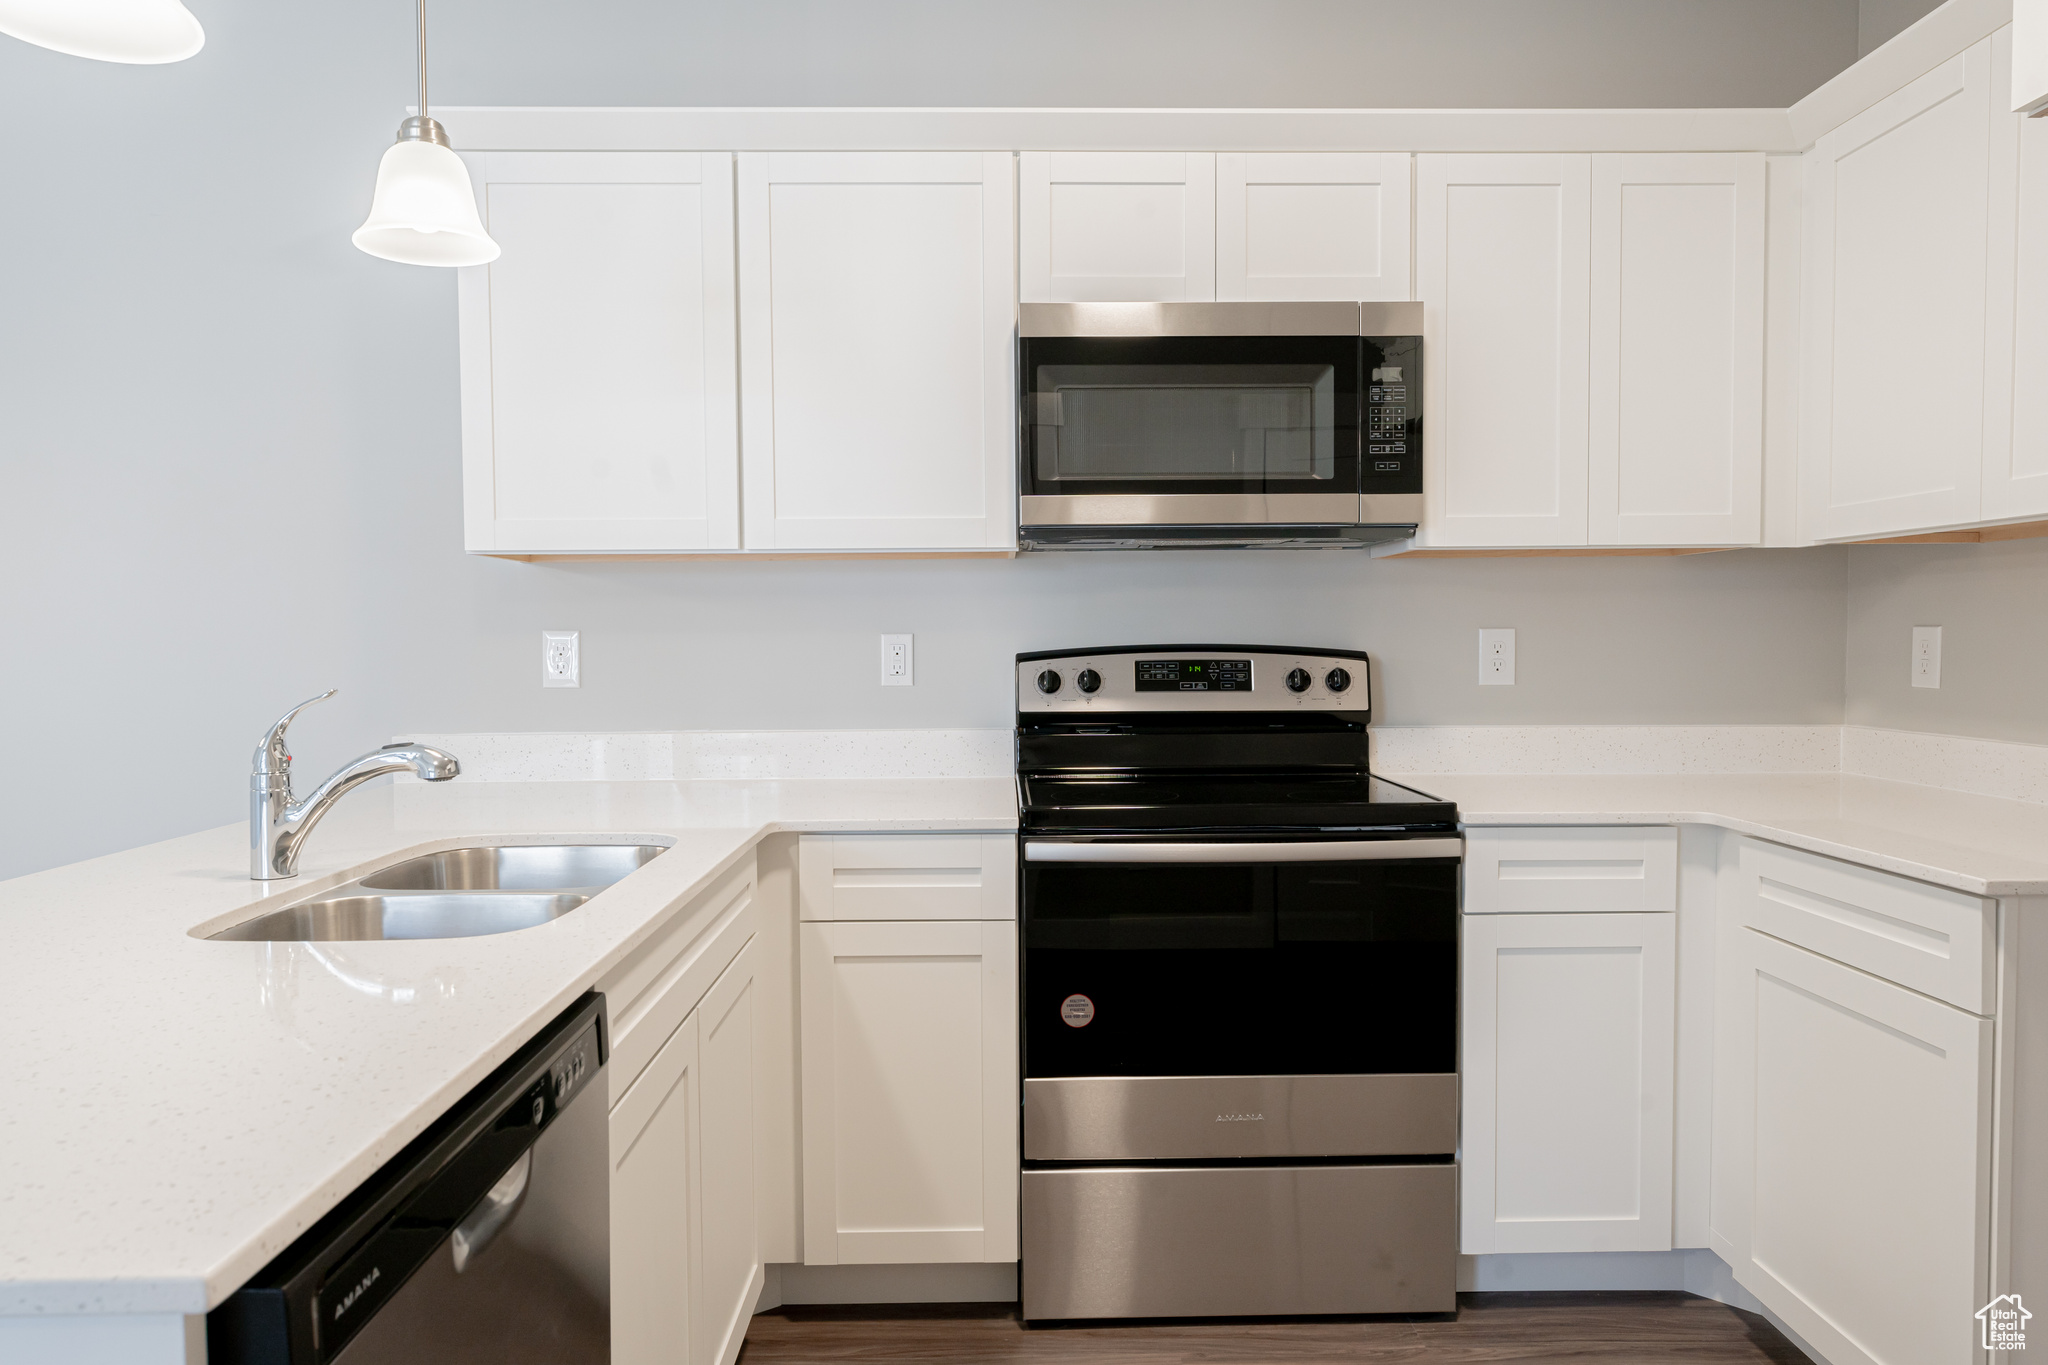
(1392, 439)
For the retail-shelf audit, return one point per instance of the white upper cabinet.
(1895, 280)
(2016, 456)
(599, 406)
(1312, 225)
(1678, 360)
(1501, 257)
(877, 328)
(1120, 227)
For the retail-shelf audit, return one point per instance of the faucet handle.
(271, 755)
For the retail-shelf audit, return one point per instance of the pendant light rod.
(423, 57)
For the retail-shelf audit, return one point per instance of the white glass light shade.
(143, 32)
(424, 211)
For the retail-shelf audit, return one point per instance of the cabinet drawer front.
(1631, 869)
(1925, 937)
(651, 992)
(908, 876)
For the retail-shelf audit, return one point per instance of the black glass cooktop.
(1272, 802)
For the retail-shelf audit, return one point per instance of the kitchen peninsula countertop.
(179, 1110)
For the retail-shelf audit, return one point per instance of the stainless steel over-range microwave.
(1177, 425)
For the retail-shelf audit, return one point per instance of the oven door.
(1210, 430)
(1197, 1001)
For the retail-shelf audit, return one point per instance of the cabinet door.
(1501, 257)
(1852, 1180)
(2016, 468)
(1895, 292)
(909, 1092)
(1568, 1070)
(1116, 227)
(1678, 350)
(878, 328)
(730, 1282)
(599, 396)
(1312, 225)
(656, 1222)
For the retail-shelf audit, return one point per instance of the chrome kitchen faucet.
(278, 825)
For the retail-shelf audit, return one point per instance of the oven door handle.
(1319, 851)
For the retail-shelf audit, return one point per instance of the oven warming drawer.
(1196, 1118)
(1163, 1242)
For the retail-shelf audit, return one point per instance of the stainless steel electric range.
(1240, 988)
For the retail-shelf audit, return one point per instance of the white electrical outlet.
(1927, 656)
(1496, 657)
(560, 664)
(896, 661)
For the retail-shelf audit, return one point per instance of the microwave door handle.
(1323, 851)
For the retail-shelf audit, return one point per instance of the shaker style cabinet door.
(1312, 225)
(1116, 227)
(877, 326)
(1852, 1181)
(599, 396)
(1501, 256)
(730, 1280)
(1893, 380)
(1676, 452)
(909, 1061)
(1568, 1069)
(657, 1220)
(2016, 461)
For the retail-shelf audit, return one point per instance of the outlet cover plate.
(896, 661)
(1496, 656)
(1926, 665)
(561, 663)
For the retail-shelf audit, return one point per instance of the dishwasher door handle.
(1319, 851)
(476, 1232)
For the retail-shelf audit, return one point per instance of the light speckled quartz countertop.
(1981, 844)
(178, 1111)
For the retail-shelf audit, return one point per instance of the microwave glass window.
(1173, 423)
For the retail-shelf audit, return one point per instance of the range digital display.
(1194, 675)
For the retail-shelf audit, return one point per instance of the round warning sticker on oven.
(1077, 1011)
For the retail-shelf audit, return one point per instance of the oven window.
(1172, 423)
(1289, 969)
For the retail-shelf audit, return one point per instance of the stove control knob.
(1049, 681)
(1088, 680)
(1298, 680)
(1336, 680)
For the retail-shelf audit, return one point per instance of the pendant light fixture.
(424, 209)
(139, 32)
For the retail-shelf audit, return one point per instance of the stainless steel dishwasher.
(485, 1240)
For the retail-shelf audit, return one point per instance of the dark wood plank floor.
(1489, 1329)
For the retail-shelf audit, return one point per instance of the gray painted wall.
(228, 440)
(1877, 21)
(1991, 602)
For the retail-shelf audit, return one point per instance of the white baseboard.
(970, 1282)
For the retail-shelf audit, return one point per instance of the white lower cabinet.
(1567, 1077)
(1852, 1182)
(685, 1185)
(909, 1058)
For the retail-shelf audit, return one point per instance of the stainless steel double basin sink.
(457, 893)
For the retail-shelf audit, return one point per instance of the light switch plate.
(896, 661)
(561, 663)
(1926, 666)
(1496, 656)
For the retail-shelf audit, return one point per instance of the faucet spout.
(279, 824)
